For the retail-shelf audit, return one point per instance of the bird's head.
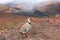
(29, 20)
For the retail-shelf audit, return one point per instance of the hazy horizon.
(29, 4)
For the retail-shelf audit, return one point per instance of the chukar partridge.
(26, 28)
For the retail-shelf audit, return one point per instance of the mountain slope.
(49, 9)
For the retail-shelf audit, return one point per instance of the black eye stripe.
(29, 23)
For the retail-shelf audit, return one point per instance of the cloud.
(24, 1)
(5, 1)
(30, 1)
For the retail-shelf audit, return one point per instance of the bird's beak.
(29, 18)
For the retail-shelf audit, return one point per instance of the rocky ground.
(43, 28)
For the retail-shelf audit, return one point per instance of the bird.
(25, 28)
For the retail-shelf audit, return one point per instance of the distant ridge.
(49, 9)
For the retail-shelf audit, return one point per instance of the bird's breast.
(26, 27)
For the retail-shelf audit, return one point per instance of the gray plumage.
(26, 27)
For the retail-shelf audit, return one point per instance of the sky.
(29, 3)
(5, 1)
(22, 1)
(26, 1)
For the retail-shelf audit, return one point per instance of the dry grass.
(43, 28)
(7, 25)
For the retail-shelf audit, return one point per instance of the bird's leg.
(26, 35)
(21, 34)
